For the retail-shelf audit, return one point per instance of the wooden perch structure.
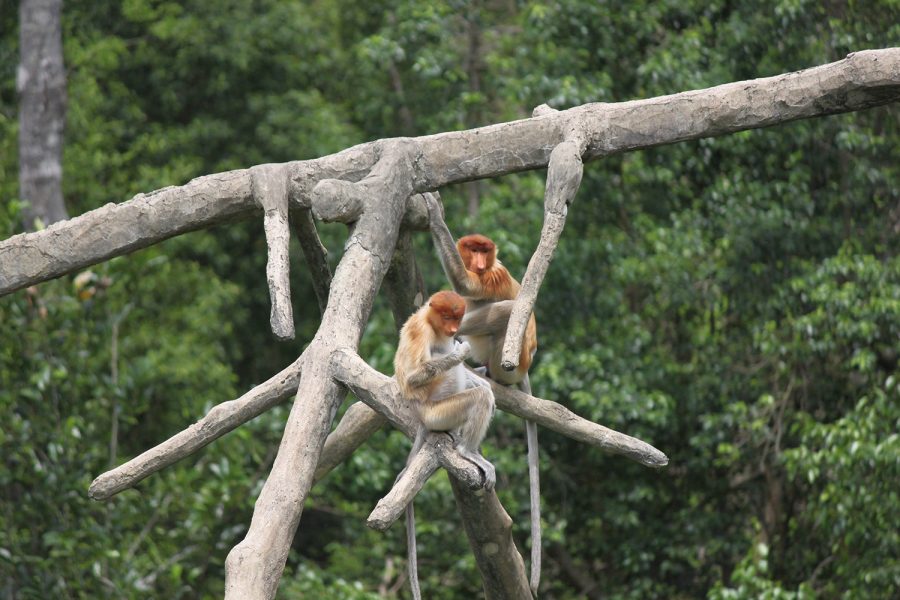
(377, 186)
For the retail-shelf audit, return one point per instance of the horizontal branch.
(220, 420)
(560, 419)
(862, 80)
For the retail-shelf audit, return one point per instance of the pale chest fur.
(453, 380)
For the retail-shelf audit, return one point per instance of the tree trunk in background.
(41, 83)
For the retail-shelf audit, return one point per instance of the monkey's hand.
(462, 350)
(435, 209)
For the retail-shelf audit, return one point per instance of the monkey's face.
(478, 253)
(446, 310)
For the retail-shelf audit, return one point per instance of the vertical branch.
(315, 253)
(489, 529)
(254, 566)
(404, 285)
(563, 178)
(41, 83)
(270, 189)
(405, 290)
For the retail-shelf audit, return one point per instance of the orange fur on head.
(478, 252)
(447, 310)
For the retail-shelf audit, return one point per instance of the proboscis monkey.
(474, 272)
(429, 369)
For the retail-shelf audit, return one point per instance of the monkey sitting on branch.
(429, 370)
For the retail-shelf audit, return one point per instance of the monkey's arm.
(430, 369)
(451, 261)
(488, 319)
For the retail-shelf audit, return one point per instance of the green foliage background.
(734, 301)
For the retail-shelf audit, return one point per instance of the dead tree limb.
(253, 567)
(489, 529)
(222, 419)
(860, 81)
(269, 185)
(563, 421)
(314, 252)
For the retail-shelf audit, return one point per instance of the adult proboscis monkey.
(428, 367)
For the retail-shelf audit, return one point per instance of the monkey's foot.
(490, 474)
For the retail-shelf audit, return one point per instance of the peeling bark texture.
(377, 188)
(860, 81)
(489, 529)
(222, 419)
(270, 190)
(41, 83)
(314, 252)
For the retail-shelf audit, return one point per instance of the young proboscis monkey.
(429, 369)
(474, 272)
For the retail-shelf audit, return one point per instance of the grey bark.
(269, 185)
(41, 83)
(222, 419)
(253, 567)
(489, 529)
(314, 252)
(862, 80)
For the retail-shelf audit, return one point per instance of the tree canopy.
(734, 300)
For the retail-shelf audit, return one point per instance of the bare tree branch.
(253, 567)
(269, 184)
(862, 80)
(561, 420)
(355, 427)
(315, 253)
(405, 291)
(489, 529)
(563, 179)
(222, 419)
(437, 451)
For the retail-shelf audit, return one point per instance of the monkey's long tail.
(412, 560)
(535, 488)
(534, 481)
